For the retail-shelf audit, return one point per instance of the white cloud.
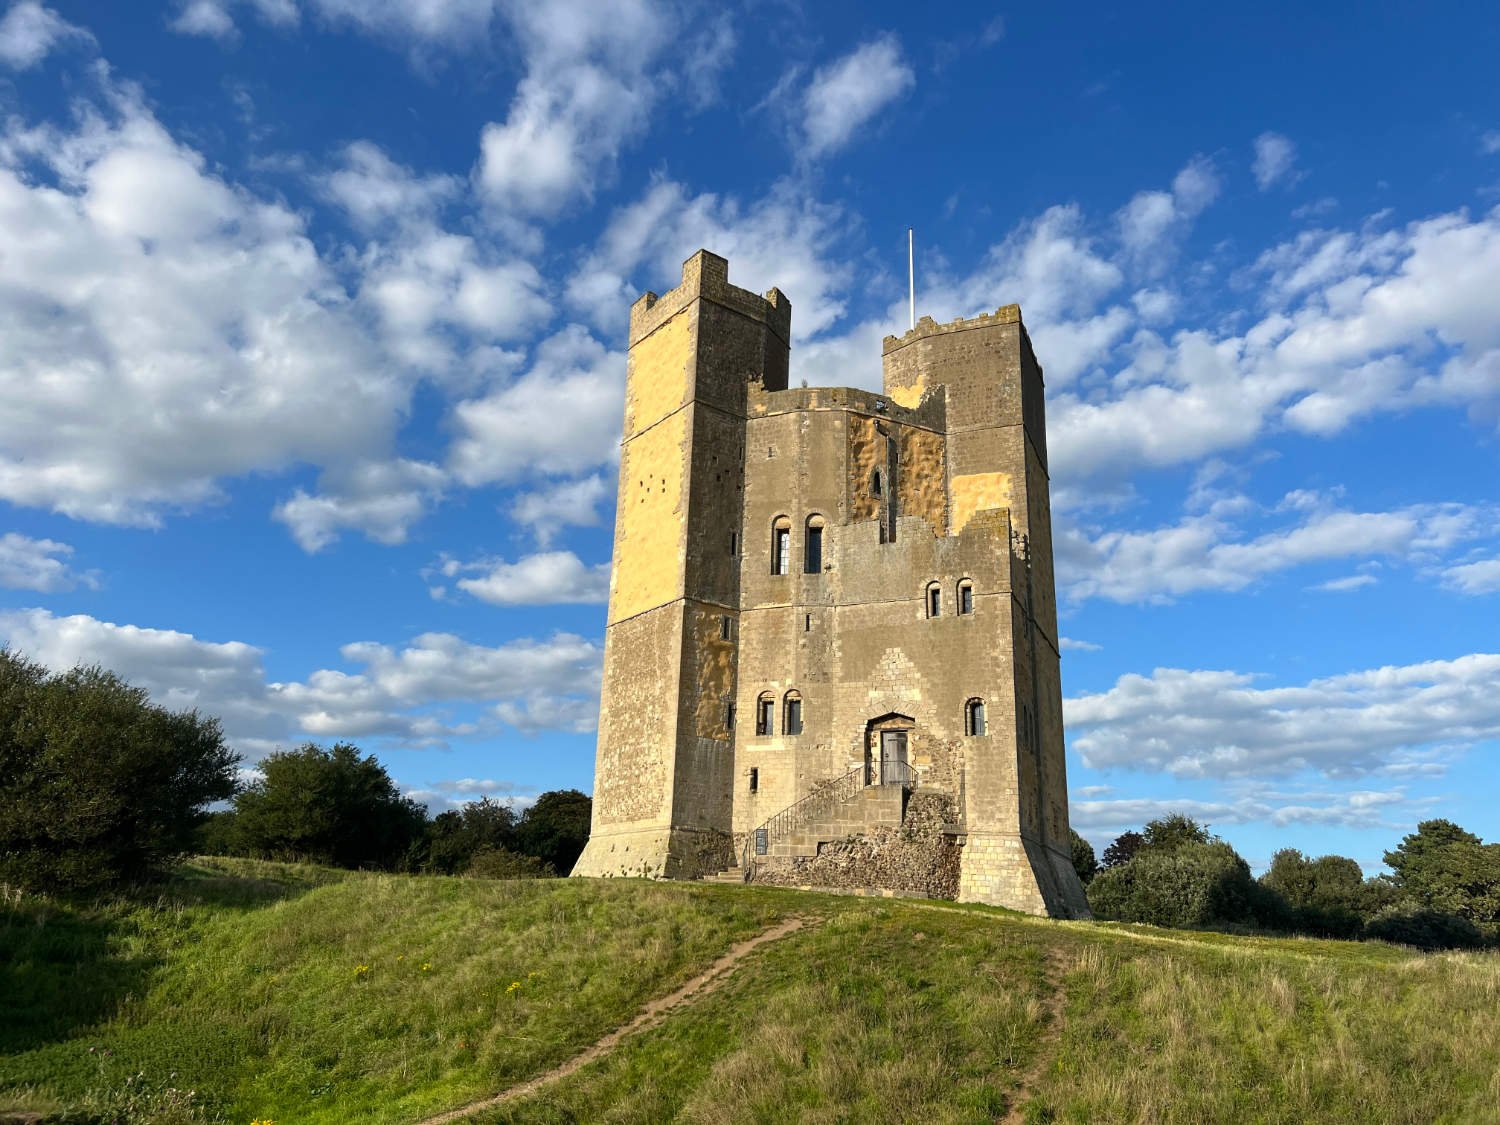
(589, 86)
(1209, 551)
(1069, 644)
(382, 499)
(404, 694)
(1275, 161)
(208, 18)
(1347, 584)
(165, 328)
(1357, 809)
(569, 503)
(1218, 724)
(1489, 144)
(38, 564)
(844, 95)
(546, 578)
(375, 190)
(563, 415)
(29, 32)
(785, 239)
(1481, 577)
(1153, 223)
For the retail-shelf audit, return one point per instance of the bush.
(328, 806)
(1193, 884)
(500, 863)
(98, 786)
(1425, 929)
(458, 836)
(1083, 859)
(556, 828)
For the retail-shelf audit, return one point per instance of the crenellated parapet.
(926, 327)
(706, 276)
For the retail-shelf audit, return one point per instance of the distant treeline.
(101, 788)
(1443, 892)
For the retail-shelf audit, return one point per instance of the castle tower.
(665, 756)
(829, 599)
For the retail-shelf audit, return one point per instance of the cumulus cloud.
(1209, 551)
(1364, 808)
(413, 696)
(1482, 577)
(1153, 223)
(382, 499)
(546, 578)
(1219, 724)
(38, 564)
(165, 328)
(29, 32)
(846, 94)
(785, 239)
(588, 88)
(1347, 584)
(562, 415)
(570, 503)
(1275, 161)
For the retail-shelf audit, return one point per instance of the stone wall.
(916, 857)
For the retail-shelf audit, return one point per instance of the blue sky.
(311, 329)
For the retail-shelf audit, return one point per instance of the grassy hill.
(296, 994)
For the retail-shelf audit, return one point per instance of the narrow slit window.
(734, 543)
(724, 628)
(729, 716)
(974, 717)
(875, 484)
(934, 600)
(765, 712)
(965, 597)
(754, 779)
(807, 623)
(792, 722)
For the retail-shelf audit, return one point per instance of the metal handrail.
(840, 789)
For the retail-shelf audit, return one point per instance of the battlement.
(930, 413)
(1005, 314)
(706, 275)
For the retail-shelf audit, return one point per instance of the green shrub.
(1193, 884)
(98, 786)
(1425, 929)
(501, 863)
(1083, 859)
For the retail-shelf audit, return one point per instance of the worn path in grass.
(702, 984)
(1053, 1006)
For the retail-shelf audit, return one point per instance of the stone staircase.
(864, 810)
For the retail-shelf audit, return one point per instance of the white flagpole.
(911, 274)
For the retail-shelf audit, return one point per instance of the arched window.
(791, 716)
(781, 546)
(934, 600)
(974, 717)
(812, 552)
(965, 597)
(765, 713)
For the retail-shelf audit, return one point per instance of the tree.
(1193, 884)
(98, 786)
(328, 806)
(1168, 833)
(1123, 850)
(1327, 896)
(556, 828)
(1083, 858)
(458, 836)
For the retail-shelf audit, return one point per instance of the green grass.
(242, 983)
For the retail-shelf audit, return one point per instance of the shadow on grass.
(68, 965)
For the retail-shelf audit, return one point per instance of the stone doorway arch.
(887, 750)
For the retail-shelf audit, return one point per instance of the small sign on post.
(760, 841)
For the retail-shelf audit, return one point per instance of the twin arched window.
(812, 545)
(963, 598)
(791, 713)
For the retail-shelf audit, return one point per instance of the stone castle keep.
(827, 601)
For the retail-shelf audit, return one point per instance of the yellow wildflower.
(426, 966)
(361, 970)
(512, 986)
